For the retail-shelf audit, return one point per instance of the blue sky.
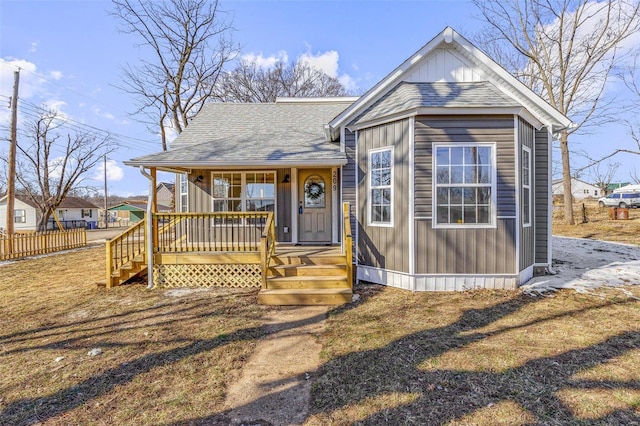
(71, 52)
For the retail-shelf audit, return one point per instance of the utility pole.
(11, 177)
(106, 212)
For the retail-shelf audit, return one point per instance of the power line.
(34, 111)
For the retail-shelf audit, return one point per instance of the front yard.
(393, 357)
(164, 359)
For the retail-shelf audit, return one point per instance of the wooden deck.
(188, 250)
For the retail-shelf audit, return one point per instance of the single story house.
(73, 212)
(444, 164)
(133, 211)
(580, 190)
(612, 187)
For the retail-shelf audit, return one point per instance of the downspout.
(149, 229)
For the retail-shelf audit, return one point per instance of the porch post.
(154, 205)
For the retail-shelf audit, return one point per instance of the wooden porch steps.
(132, 269)
(296, 296)
(307, 278)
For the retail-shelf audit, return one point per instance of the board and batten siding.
(527, 233)
(470, 250)
(385, 247)
(541, 195)
(200, 197)
(348, 178)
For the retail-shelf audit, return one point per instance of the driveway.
(101, 235)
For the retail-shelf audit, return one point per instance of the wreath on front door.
(313, 190)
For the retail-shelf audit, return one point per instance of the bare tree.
(565, 50)
(190, 42)
(602, 177)
(249, 82)
(51, 162)
(635, 176)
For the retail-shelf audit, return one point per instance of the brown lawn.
(598, 226)
(164, 359)
(394, 357)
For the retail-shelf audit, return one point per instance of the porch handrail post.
(263, 258)
(109, 261)
(347, 241)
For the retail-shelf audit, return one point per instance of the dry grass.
(480, 358)
(598, 226)
(395, 357)
(165, 360)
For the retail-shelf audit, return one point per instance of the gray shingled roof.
(408, 96)
(236, 134)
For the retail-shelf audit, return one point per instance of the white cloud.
(114, 172)
(266, 61)
(30, 83)
(329, 63)
(348, 82)
(97, 111)
(56, 75)
(34, 47)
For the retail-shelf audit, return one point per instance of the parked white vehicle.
(627, 196)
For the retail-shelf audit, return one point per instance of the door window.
(314, 192)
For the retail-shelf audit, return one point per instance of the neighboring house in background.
(579, 189)
(129, 212)
(25, 217)
(165, 195)
(616, 185)
(73, 212)
(446, 164)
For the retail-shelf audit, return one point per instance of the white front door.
(314, 206)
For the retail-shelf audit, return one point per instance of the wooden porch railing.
(267, 247)
(210, 232)
(348, 241)
(125, 247)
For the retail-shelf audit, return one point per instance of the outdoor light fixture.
(286, 178)
(198, 179)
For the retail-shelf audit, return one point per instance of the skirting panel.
(465, 282)
(436, 282)
(207, 275)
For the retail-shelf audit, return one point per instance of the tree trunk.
(566, 178)
(43, 220)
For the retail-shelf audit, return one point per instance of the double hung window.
(464, 185)
(526, 186)
(19, 216)
(381, 187)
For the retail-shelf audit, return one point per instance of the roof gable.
(449, 57)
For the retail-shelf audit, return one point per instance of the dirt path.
(275, 387)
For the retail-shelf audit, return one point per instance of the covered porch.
(232, 250)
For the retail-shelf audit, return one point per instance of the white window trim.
(528, 150)
(243, 194)
(494, 179)
(22, 216)
(181, 205)
(370, 222)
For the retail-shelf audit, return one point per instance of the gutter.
(149, 229)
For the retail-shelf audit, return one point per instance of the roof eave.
(180, 165)
(479, 110)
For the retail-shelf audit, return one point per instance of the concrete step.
(307, 270)
(307, 282)
(330, 296)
